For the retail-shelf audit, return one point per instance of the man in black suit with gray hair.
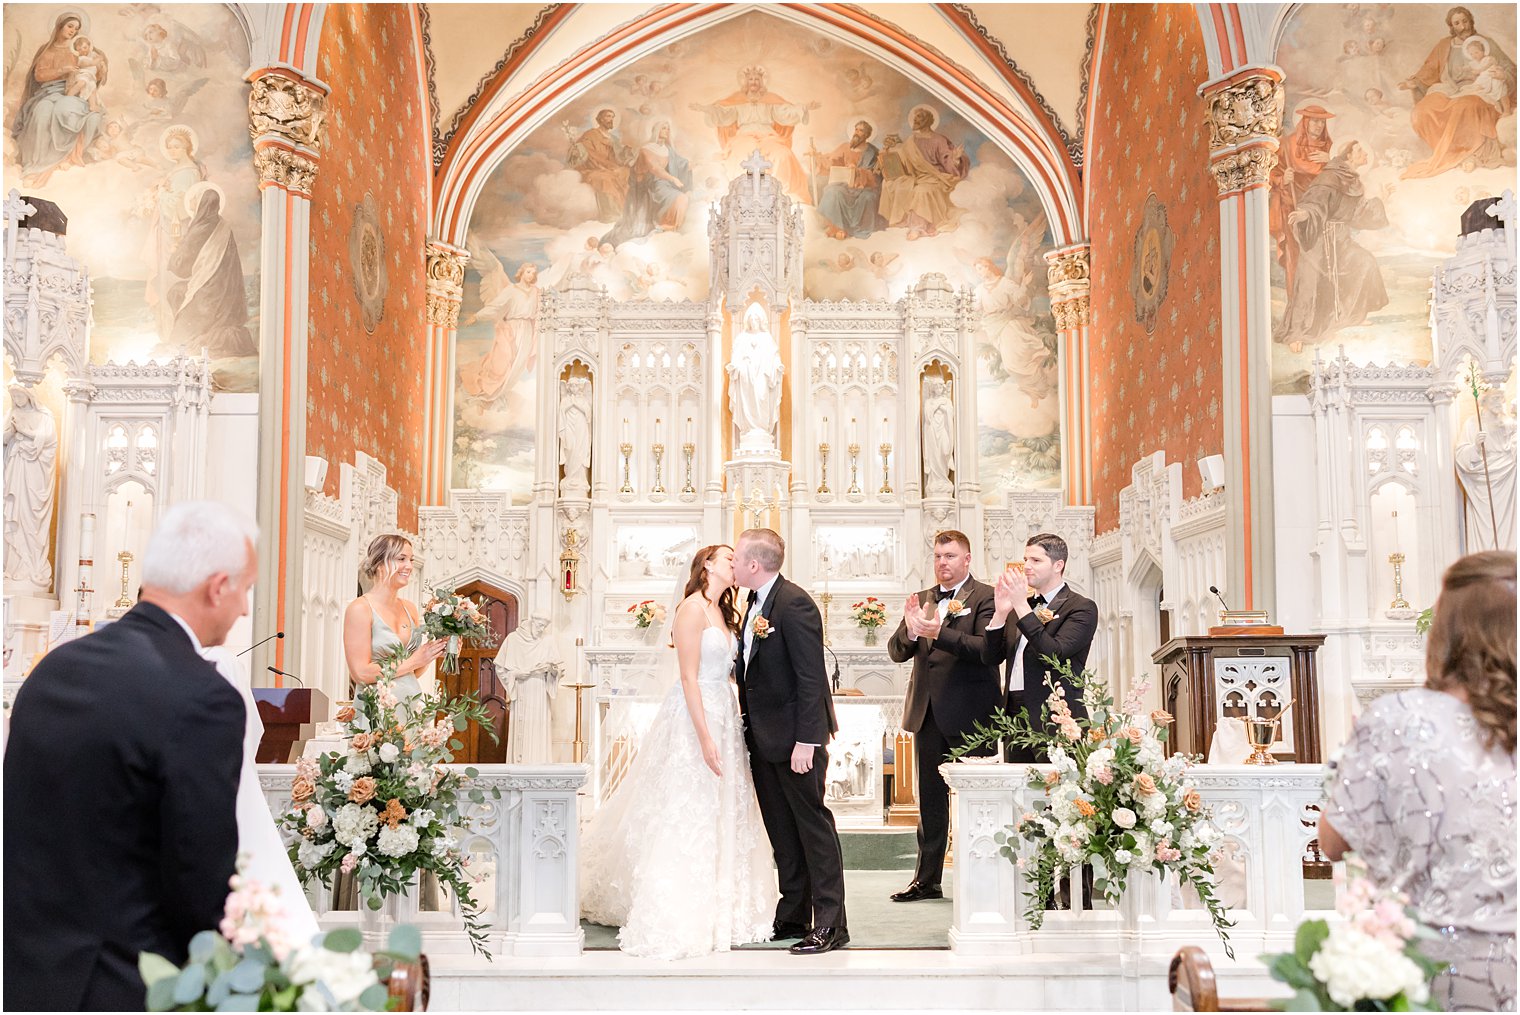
(121, 779)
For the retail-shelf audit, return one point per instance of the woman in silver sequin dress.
(1425, 790)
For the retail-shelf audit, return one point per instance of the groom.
(788, 718)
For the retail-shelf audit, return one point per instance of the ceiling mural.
(134, 121)
(618, 183)
(1400, 116)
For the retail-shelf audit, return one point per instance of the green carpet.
(875, 920)
(887, 850)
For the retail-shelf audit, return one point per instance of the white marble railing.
(522, 851)
(1262, 811)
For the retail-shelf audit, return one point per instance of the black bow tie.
(940, 595)
(1037, 600)
(750, 599)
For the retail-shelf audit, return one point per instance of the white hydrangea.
(1354, 966)
(311, 854)
(1069, 850)
(422, 817)
(1063, 801)
(1152, 805)
(1123, 857)
(1124, 817)
(358, 764)
(1150, 755)
(443, 844)
(345, 975)
(1062, 761)
(1099, 758)
(1207, 834)
(398, 841)
(353, 824)
(1160, 827)
(344, 781)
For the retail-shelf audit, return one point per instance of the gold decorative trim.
(1070, 277)
(1244, 167)
(445, 284)
(279, 166)
(1072, 313)
(292, 111)
(1245, 110)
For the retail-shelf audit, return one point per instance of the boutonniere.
(956, 608)
(761, 628)
(1045, 613)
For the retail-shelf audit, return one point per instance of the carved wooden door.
(477, 675)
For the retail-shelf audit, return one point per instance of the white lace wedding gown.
(678, 858)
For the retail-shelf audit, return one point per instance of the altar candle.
(853, 434)
(659, 429)
(625, 429)
(87, 537)
(690, 433)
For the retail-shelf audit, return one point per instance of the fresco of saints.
(1460, 91)
(852, 195)
(1300, 159)
(1339, 283)
(754, 117)
(920, 175)
(658, 189)
(602, 162)
(512, 308)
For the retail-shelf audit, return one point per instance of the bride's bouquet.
(386, 807)
(457, 618)
(1111, 800)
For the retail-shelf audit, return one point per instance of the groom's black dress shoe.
(820, 940)
(918, 892)
(781, 930)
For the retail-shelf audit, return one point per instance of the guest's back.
(120, 827)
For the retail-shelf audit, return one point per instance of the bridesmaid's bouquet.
(457, 618)
(387, 807)
(869, 612)
(1111, 797)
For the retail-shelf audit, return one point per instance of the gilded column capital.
(445, 284)
(286, 117)
(1245, 118)
(1069, 271)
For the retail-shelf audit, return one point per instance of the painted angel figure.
(510, 304)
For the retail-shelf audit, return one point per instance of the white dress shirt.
(761, 595)
(1016, 677)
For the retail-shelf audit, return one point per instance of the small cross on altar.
(17, 209)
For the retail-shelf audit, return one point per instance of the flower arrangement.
(252, 965)
(869, 612)
(387, 807)
(647, 613)
(1111, 799)
(1370, 961)
(457, 618)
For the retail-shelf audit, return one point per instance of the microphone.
(835, 674)
(282, 673)
(1219, 597)
(250, 648)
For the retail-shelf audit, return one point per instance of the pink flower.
(1166, 853)
(1070, 730)
(1104, 775)
(349, 863)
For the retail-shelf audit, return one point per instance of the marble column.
(1070, 285)
(445, 288)
(286, 114)
(1245, 118)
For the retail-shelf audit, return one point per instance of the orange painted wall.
(364, 390)
(1157, 391)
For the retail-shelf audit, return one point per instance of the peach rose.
(1192, 801)
(1135, 734)
(302, 788)
(345, 714)
(361, 741)
(363, 790)
(1161, 717)
(1144, 784)
(1052, 777)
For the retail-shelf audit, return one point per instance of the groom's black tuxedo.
(1068, 636)
(784, 698)
(121, 781)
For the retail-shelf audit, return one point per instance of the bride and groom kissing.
(677, 855)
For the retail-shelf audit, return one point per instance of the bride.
(677, 857)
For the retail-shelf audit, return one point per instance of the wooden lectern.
(290, 716)
(1242, 675)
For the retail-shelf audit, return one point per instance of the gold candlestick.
(690, 451)
(854, 469)
(659, 458)
(626, 450)
(125, 556)
(886, 476)
(826, 598)
(1399, 602)
(823, 466)
(578, 746)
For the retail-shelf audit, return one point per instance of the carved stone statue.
(754, 376)
(1484, 513)
(529, 666)
(575, 437)
(939, 438)
(31, 453)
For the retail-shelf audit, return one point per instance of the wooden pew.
(1191, 981)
